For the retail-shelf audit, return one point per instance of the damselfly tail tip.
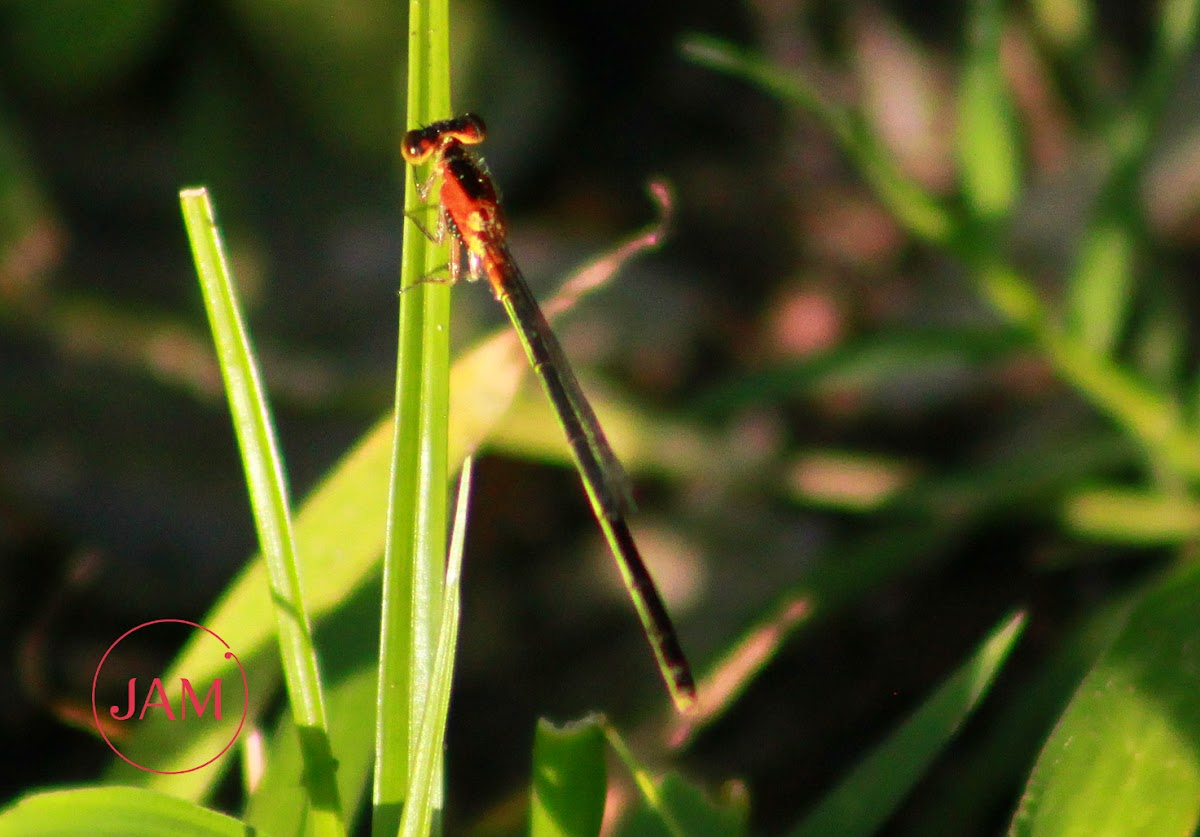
(683, 692)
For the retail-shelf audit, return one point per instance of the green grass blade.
(349, 639)
(115, 812)
(1099, 289)
(1125, 755)
(867, 797)
(415, 550)
(569, 779)
(268, 495)
(997, 759)
(423, 799)
(987, 142)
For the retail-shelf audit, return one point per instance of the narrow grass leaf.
(988, 156)
(991, 763)
(569, 779)
(115, 812)
(662, 818)
(870, 794)
(268, 495)
(349, 639)
(424, 795)
(415, 548)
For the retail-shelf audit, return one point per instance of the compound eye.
(416, 147)
(471, 129)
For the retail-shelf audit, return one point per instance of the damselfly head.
(420, 144)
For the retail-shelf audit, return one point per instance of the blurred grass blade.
(1100, 287)
(415, 548)
(569, 779)
(1124, 757)
(115, 810)
(1132, 516)
(1067, 25)
(922, 213)
(870, 794)
(700, 816)
(268, 496)
(423, 797)
(988, 156)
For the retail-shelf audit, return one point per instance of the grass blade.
(423, 798)
(269, 499)
(1122, 759)
(115, 811)
(415, 550)
(987, 141)
(865, 798)
(569, 779)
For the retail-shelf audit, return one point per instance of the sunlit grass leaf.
(349, 638)
(272, 514)
(1125, 755)
(115, 812)
(423, 797)
(414, 560)
(876, 786)
(569, 779)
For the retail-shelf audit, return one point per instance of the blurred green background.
(811, 393)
